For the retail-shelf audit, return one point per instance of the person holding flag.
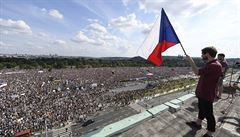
(205, 91)
(161, 37)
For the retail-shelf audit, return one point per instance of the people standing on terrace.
(206, 89)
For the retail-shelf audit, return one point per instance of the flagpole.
(183, 49)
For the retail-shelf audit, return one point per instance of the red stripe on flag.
(156, 56)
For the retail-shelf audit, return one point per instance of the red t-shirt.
(209, 76)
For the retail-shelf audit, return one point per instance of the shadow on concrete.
(192, 132)
(238, 130)
(193, 107)
(237, 123)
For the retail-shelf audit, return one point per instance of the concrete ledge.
(176, 102)
(186, 97)
(173, 107)
(192, 93)
(127, 123)
(120, 126)
(158, 109)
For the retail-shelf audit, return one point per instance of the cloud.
(44, 10)
(89, 6)
(129, 25)
(93, 20)
(59, 42)
(52, 13)
(146, 28)
(55, 14)
(109, 37)
(42, 34)
(124, 22)
(82, 38)
(96, 27)
(98, 37)
(11, 26)
(186, 8)
(126, 2)
(97, 34)
(2, 44)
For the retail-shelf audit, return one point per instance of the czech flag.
(161, 37)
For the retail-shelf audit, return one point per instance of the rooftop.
(173, 124)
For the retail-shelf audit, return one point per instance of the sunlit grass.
(176, 85)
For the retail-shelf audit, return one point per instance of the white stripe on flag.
(151, 41)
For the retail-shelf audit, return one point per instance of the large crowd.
(33, 97)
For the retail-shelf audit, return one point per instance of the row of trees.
(59, 63)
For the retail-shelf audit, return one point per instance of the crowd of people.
(32, 97)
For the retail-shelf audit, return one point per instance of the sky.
(115, 28)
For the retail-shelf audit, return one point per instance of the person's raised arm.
(193, 65)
